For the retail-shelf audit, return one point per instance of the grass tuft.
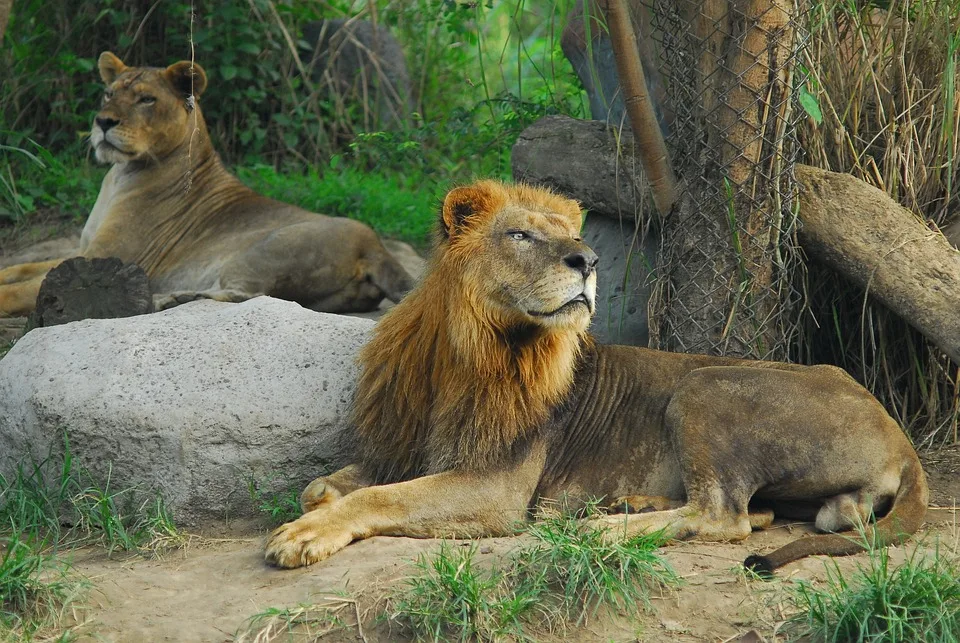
(563, 573)
(311, 621)
(918, 600)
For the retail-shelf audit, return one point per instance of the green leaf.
(810, 105)
(249, 48)
(228, 72)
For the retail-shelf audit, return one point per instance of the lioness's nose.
(585, 261)
(105, 123)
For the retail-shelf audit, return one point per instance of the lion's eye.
(107, 96)
(147, 100)
(518, 235)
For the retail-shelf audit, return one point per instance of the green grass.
(279, 506)
(399, 206)
(564, 572)
(46, 509)
(918, 600)
(35, 588)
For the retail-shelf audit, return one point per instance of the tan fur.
(169, 205)
(481, 395)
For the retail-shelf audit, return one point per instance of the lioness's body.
(169, 205)
(481, 395)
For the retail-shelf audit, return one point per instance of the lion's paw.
(318, 493)
(305, 541)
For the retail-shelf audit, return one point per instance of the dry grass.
(886, 83)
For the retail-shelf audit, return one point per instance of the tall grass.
(918, 600)
(886, 86)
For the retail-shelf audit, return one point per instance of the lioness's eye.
(147, 100)
(107, 96)
(518, 235)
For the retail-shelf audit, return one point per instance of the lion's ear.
(110, 67)
(461, 204)
(187, 77)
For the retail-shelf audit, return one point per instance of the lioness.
(481, 393)
(169, 205)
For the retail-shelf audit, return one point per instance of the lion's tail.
(390, 276)
(904, 518)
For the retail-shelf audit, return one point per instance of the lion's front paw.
(309, 539)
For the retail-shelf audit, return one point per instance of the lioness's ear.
(110, 67)
(462, 203)
(187, 77)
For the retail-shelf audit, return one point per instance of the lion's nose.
(105, 123)
(585, 261)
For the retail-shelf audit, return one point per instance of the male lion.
(481, 394)
(169, 205)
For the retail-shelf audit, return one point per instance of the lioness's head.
(519, 253)
(146, 111)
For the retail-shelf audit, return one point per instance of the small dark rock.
(81, 288)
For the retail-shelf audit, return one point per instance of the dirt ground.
(208, 591)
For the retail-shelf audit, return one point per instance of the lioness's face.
(526, 259)
(146, 112)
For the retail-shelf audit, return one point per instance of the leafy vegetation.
(279, 506)
(479, 74)
(564, 572)
(918, 600)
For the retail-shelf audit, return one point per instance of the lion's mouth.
(579, 300)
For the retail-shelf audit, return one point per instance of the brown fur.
(481, 395)
(169, 205)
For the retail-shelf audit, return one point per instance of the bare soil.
(208, 591)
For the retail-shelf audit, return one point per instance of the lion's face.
(521, 255)
(146, 112)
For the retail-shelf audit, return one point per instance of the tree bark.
(5, 7)
(860, 232)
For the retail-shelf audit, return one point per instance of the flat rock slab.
(193, 402)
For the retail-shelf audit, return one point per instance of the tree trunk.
(860, 232)
(5, 7)
(728, 283)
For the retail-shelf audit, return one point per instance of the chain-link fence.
(729, 274)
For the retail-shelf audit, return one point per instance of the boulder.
(625, 277)
(362, 63)
(586, 160)
(193, 402)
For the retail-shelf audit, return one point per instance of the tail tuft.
(759, 565)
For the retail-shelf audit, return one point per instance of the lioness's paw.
(305, 541)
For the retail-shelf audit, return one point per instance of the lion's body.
(481, 395)
(169, 205)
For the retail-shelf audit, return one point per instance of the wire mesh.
(730, 262)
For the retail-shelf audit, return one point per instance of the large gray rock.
(625, 277)
(192, 402)
(363, 64)
(587, 160)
